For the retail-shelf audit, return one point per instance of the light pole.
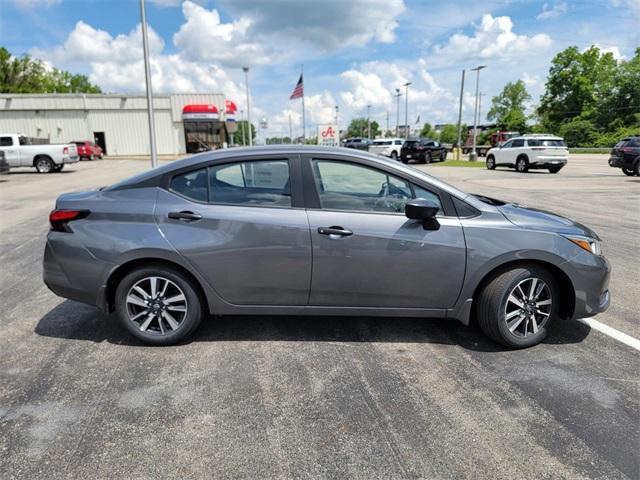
(387, 130)
(473, 156)
(246, 84)
(406, 110)
(369, 122)
(398, 95)
(244, 139)
(460, 118)
(337, 125)
(147, 76)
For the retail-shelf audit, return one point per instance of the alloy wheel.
(43, 165)
(156, 305)
(528, 307)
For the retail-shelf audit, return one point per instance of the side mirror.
(424, 210)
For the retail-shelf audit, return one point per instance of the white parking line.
(612, 332)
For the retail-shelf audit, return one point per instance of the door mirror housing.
(423, 210)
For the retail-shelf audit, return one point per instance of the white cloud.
(327, 25)
(203, 37)
(493, 39)
(116, 63)
(548, 11)
(166, 3)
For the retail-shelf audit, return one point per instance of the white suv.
(529, 152)
(389, 147)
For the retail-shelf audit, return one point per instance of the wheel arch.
(116, 276)
(567, 289)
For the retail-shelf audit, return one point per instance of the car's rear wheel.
(44, 165)
(491, 162)
(554, 169)
(522, 165)
(443, 156)
(158, 305)
(629, 172)
(394, 155)
(517, 306)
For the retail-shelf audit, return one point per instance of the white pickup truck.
(20, 151)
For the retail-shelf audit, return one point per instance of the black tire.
(404, 160)
(187, 324)
(636, 167)
(44, 164)
(491, 162)
(394, 155)
(58, 168)
(493, 303)
(443, 156)
(522, 164)
(427, 158)
(629, 172)
(554, 169)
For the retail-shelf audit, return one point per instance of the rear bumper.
(620, 162)
(70, 271)
(70, 159)
(549, 162)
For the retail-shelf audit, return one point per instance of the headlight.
(589, 244)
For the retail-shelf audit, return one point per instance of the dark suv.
(626, 155)
(422, 150)
(357, 143)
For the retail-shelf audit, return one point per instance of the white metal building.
(184, 122)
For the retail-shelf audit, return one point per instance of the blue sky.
(355, 52)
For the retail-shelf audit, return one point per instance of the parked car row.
(420, 150)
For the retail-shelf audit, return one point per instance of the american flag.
(298, 92)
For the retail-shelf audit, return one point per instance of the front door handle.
(343, 232)
(185, 215)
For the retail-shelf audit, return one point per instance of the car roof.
(537, 137)
(147, 178)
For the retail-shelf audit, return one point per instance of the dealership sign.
(328, 135)
(200, 112)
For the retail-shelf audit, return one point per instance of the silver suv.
(537, 151)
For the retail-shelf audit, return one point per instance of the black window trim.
(312, 198)
(294, 179)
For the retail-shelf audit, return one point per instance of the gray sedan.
(317, 231)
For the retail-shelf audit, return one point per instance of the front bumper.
(590, 277)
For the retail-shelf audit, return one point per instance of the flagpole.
(304, 122)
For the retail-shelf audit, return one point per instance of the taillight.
(59, 219)
(65, 150)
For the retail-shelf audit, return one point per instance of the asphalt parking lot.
(290, 397)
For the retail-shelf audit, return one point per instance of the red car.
(88, 150)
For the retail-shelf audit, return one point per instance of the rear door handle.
(185, 215)
(344, 232)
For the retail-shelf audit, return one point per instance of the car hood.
(535, 219)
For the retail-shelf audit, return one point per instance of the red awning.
(200, 112)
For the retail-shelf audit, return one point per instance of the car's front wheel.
(516, 307)
(427, 158)
(158, 304)
(629, 172)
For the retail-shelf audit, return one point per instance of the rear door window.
(264, 182)
(192, 185)
(517, 143)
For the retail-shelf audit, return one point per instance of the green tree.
(239, 138)
(507, 108)
(620, 106)
(28, 75)
(358, 128)
(449, 133)
(576, 82)
(579, 133)
(427, 131)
